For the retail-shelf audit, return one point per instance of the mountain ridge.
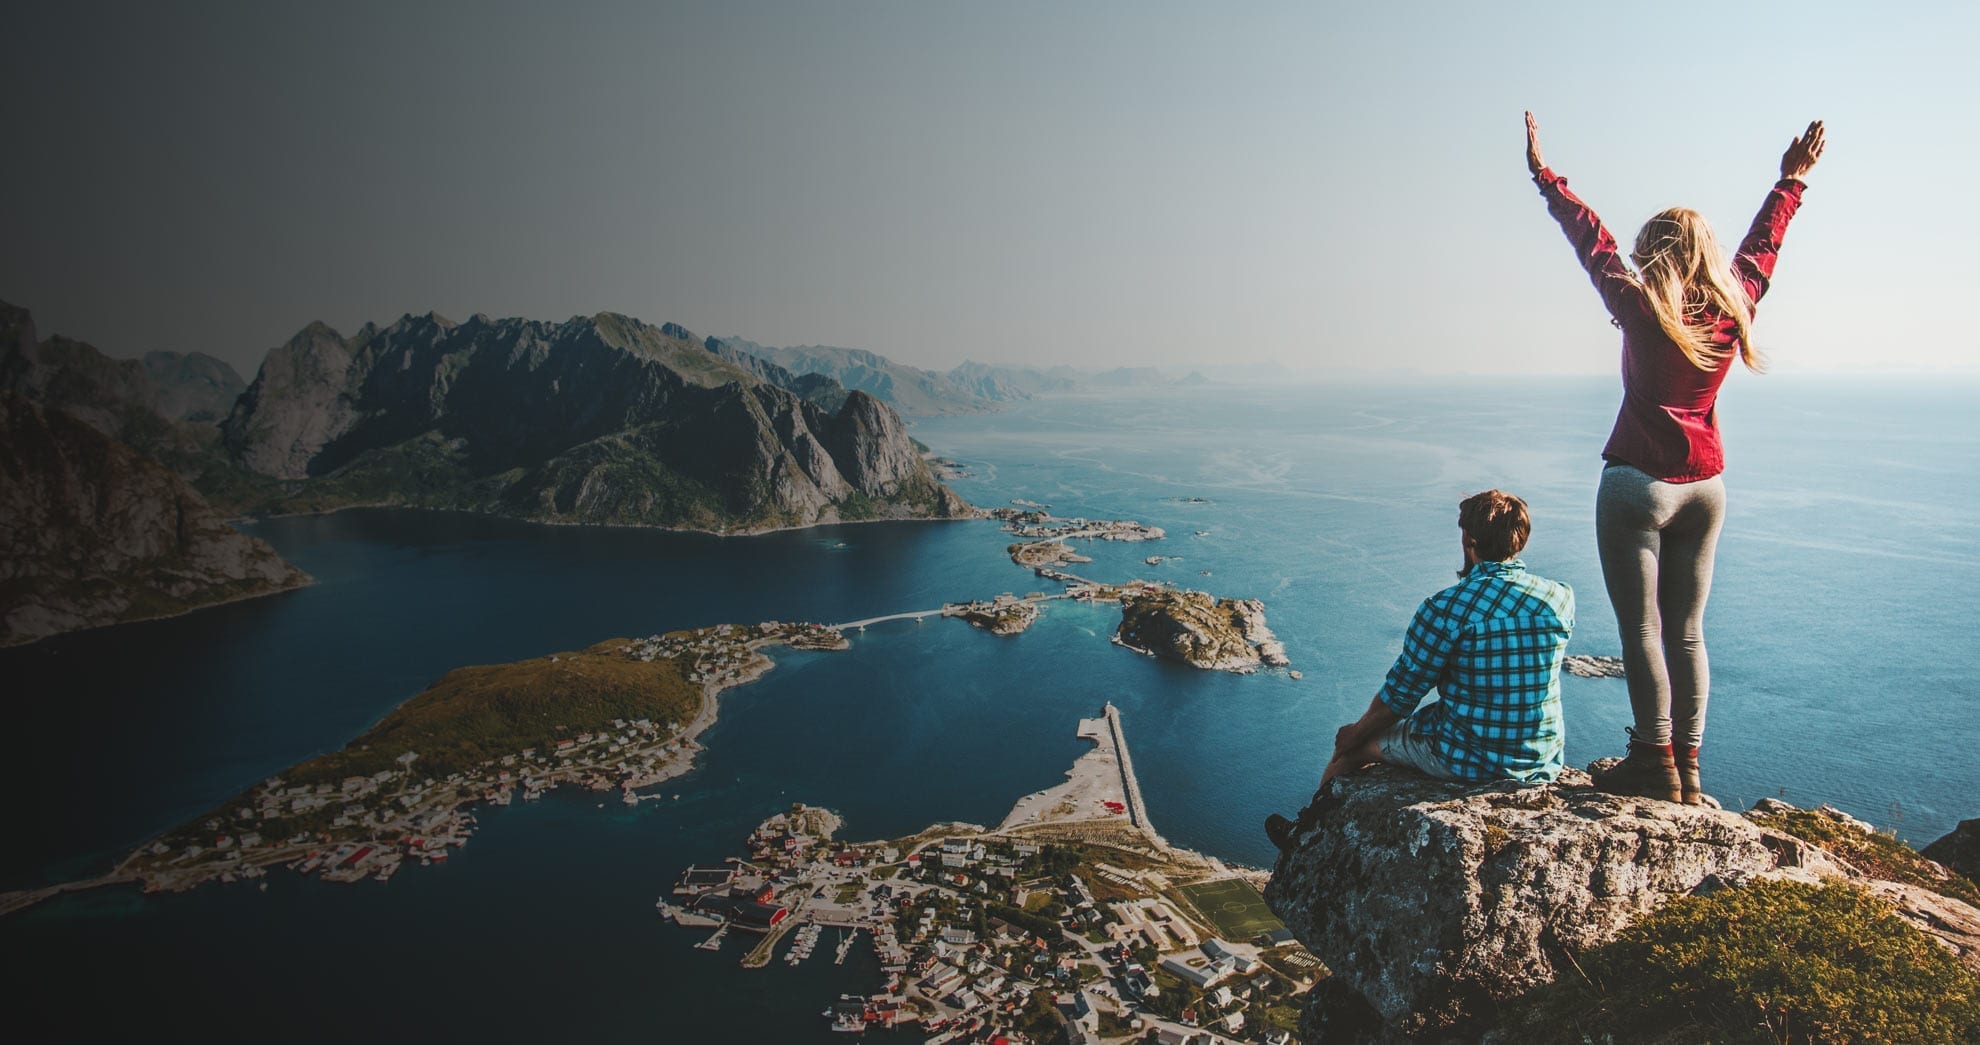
(599, 419)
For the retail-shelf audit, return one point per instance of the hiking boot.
(1280, 831)
(1648, 771)
(1686, 758)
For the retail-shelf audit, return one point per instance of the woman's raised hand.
(1801, 153)
(1533, 160)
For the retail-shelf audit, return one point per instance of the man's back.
(1491, 644)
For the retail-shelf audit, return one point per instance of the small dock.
(759, 955)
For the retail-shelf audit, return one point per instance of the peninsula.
(622, 714)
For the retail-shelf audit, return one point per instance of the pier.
(25, 898)
(1137, 809)
(759, 955)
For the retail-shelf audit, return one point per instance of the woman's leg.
(1628, 536)
(1690, 542)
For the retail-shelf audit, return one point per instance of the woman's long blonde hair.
(1683, 273)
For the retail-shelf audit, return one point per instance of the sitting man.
(1491, 644)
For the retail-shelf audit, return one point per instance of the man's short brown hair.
(1497, 524)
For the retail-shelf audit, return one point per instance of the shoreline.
(311, 581)
(308, 581)
(978, 514)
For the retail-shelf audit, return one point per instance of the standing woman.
(1685, 312)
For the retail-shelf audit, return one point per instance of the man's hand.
(1346, 739)
(1533, 159)
(1801, 153)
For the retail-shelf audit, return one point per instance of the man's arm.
(1427, 649)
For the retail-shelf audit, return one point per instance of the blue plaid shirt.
(1491, 644)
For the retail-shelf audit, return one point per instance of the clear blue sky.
(1113, 184)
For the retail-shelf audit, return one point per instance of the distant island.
(1190, 627)
(1590, 667)
(1199, 629)
(1004, 615)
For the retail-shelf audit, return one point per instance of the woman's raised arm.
(1754, 262)
(1593, 245)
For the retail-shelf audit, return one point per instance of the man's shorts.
(1400, 748)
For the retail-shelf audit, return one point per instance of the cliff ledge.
(1438, 905)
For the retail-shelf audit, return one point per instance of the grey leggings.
(1657, 540)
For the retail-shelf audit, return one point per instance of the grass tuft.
(1771, 961)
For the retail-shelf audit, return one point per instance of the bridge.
(860, 625)
(909, 615)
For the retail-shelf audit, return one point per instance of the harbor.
(1072, 912)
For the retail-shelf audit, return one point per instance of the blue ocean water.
(1843, 672)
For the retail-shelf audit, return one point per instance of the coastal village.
(1073, 918)
(368, 825)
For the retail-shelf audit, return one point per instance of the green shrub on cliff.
(1879, 856)
(1771, 961)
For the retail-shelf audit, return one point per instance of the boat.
(848, 1014)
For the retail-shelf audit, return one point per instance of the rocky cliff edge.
(1436, 904)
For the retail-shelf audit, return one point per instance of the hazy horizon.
(1109, 186)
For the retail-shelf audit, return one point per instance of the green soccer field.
(1237, 909)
